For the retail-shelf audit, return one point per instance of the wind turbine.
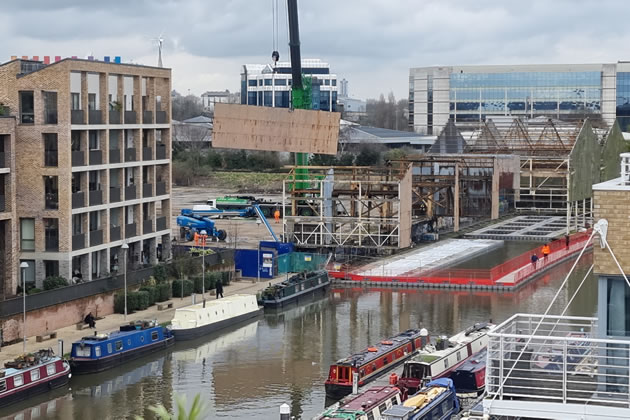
(160, 43)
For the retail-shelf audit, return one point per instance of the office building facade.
(86, 151)
(266, 85)
(470, 94)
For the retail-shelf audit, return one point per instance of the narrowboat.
(32, 374)
(470, 377)
(368, 405)
(296, 287)
(440, 359)
(437, 400)
(206, 317)
(100, 352)
(373, 361)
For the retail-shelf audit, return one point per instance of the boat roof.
(476, 362)
(13, 371)
(456, 342)
(114, 335)
(369, 399)
(215, 303)
(366, 356)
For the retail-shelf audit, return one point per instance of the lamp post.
(204, 235)
(23, 267)
(258, 222)
(125, 247)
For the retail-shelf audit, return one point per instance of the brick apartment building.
(84, 167)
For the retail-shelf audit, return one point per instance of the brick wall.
(613, 206)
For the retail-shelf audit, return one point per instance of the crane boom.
(294, 44)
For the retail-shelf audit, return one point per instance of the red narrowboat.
(373, 361)
(32, 374)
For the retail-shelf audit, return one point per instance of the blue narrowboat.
(437, 400)
(103, 351)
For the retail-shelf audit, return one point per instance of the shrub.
(119, 304)
(54, 282)
(177, 288)
(152, 290)
(160, 274)
(132, 302)
(346, 159)
(143, 299)
(163, 292)
(33, 290)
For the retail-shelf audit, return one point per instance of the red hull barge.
(471, 376)
(372, 362)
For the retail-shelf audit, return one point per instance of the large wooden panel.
(275, 129)
(405, 193)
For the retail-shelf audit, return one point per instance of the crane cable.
(274, 31)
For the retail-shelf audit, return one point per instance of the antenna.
(160, 43)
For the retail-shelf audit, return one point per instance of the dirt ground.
(241, 233)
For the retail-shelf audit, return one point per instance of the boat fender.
(393, 379)
(387, 342)
(372, 349)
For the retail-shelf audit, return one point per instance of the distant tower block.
(36, 58)
(46, 59)
(117, 59)
(106, 59)
(57, 58)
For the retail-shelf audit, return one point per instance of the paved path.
(114, 321)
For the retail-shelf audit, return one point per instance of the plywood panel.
(275, 129)
(405, 209)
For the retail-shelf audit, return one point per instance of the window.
(91, 101)
(154, 335)
(334, 82)
(51, 233)
(94, 183)
(280, 82)
(97, 351)
(109, 347)
(93, 139)
(251, 82)
(445, 363)
(3, 385)
(75, 141)
(382, 408)
(119, 345)
(51, 192)
(50, 149)
(370, 416)
(459, 356)
(260, 82)
(76, 101)
(267, 82)
(27, 107)
(82, 351)
(27, 234)
(50, 107)
(18, 380)
(142, 338)
(327, 82)
(34, 375)
(50, 369)
(51, 268)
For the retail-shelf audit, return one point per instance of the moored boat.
(437, 400)
(100, 352)
(373, 361)
(32, 374)
(206, 317)
(296, 287)
(367, 405)
(440, 359)
(470, 377)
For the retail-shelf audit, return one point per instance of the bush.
(163, 292)
(152, 290)
(132, 302)
(119, 304)
(54, 282)
(33, 290)
(177, 288)
(345, 159)
(160, 274)
(143, 299)
(210, 283)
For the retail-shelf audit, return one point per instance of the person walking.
(534, 260)
(546, 250)
(276, 215)
(219, 289)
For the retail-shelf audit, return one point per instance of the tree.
(368, 156)
(389, 114)
(185, 107)
(322, 160)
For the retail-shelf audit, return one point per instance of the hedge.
(177, 288)
(136, 301)
(54, 282)
(163, 292)
(152, 290)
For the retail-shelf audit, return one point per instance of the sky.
(371, 43)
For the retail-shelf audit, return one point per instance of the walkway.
(114, 321)
(524, 228)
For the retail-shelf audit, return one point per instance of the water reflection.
(248, 371)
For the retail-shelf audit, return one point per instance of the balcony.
(130, 155)
(147, 190)
(78, 200)
(114, 117)
(540, 366)
(52, 244)
(78, 158)
(147, 153)
(76, 116)
(160, 152)
(160, 224)
(95, 116)
(2, 204)
(130, 192)
(147, 226)
(114, 233)
(96, 157)
(147, 117)
(96, 197)
(114, 155)
(130, 117)
(160, 188)
(78, 241)
(3, 162)
(114, 194)
(130, 230)
(160, 117)
(96, 237)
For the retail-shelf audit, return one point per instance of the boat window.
(370, 416)
(109, 347)
(34, 374)
(445, 363)
(382, 408)
(97, 351)
(18, 380)
(3, 385)
(154, 335)
(394, 401)
(446, 406)
(129, 341)
(82, 351)
(50, 369)
(119, 345)
(142, 338)
(459, 356)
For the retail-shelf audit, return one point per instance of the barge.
(104, 351)
(204, 318)
(373, 361)
(368, 405)
(470, 377)
(294, 288)
(445, 356)
(32, 374)
(437, 400)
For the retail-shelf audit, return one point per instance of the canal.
(250, 370)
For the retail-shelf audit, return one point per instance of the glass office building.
(471, 94)
(263, 85)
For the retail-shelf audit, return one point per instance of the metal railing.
(114, 117)
(96, 157)
(160, 117)
(114, 194)
(147, 117)
(114, 155)
(130, 154)
(147, 153)
(130, 117)
(78, 158)
(562, 362)
(147, 190)
(4, 162)
(95, 116)
(76, 116)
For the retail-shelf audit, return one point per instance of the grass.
(249, 181)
